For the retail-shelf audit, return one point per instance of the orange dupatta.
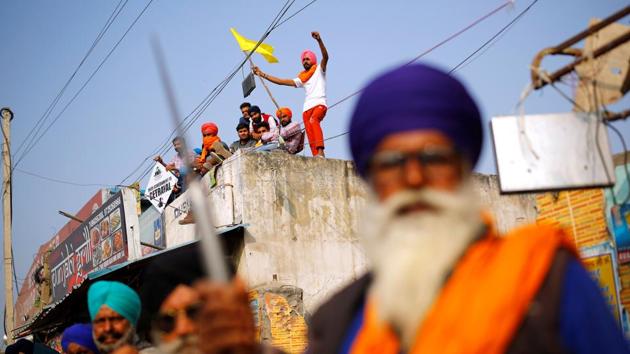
(484, 301)
(307, 74)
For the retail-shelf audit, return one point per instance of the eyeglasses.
(435, 162)
(165, 321)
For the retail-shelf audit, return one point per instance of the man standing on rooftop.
(313, 79)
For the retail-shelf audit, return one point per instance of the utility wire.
(490, 42)
(455, 35)
(30, 148)
(204, 104)
(56, 180)
(294, 14)
(609, 125)
(36, 128)
(196, 113)
(439, 44)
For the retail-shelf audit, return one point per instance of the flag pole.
(281, 141)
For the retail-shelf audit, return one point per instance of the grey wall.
(302, 216)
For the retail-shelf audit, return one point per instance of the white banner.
(160, 186)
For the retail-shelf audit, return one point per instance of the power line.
(344, 99)
(204, 104)
(607, 124)
(84, 85)
(294, 14)
(455, 35)
(196, 113)
(490, 42)
(36, 128)
(201, 108)
(56, 180)
(436, 46)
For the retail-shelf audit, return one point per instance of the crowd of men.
(259, 131)
(441, 279)
(256, 131)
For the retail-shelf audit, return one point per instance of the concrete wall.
(221, 199)
(302, 215)
(509, 210)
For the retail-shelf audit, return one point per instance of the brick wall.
(579, 212)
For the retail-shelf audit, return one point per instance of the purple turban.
(414, 97)
(80, 333)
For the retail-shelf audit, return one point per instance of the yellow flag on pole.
(247, 45)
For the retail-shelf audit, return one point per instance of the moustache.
(111, 335)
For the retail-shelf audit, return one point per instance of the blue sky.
(121, 116)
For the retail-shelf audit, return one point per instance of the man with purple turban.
(442, 280)
(77, 339)
(313, 79)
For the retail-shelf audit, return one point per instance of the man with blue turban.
(77, 339)
(114, 309)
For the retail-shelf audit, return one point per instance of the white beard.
(412, 254)
(127, 338)
(182, 345)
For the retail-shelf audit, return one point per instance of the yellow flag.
(247, 45)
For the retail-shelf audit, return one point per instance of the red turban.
(209, 128)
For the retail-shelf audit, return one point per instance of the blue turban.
(80, 333)
(117, 296)
(414, 97)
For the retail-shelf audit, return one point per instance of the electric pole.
(6, 115)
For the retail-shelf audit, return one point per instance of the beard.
(187, 344)
(125, 338)
(413, 253)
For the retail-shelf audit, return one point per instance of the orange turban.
(284, 111)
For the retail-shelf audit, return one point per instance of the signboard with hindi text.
(160, 186)
(100, 241)
(31, 299)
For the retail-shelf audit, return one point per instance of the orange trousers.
(314, 133)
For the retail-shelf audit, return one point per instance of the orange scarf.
(307, 74)
(484, 301)
(208, 141)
